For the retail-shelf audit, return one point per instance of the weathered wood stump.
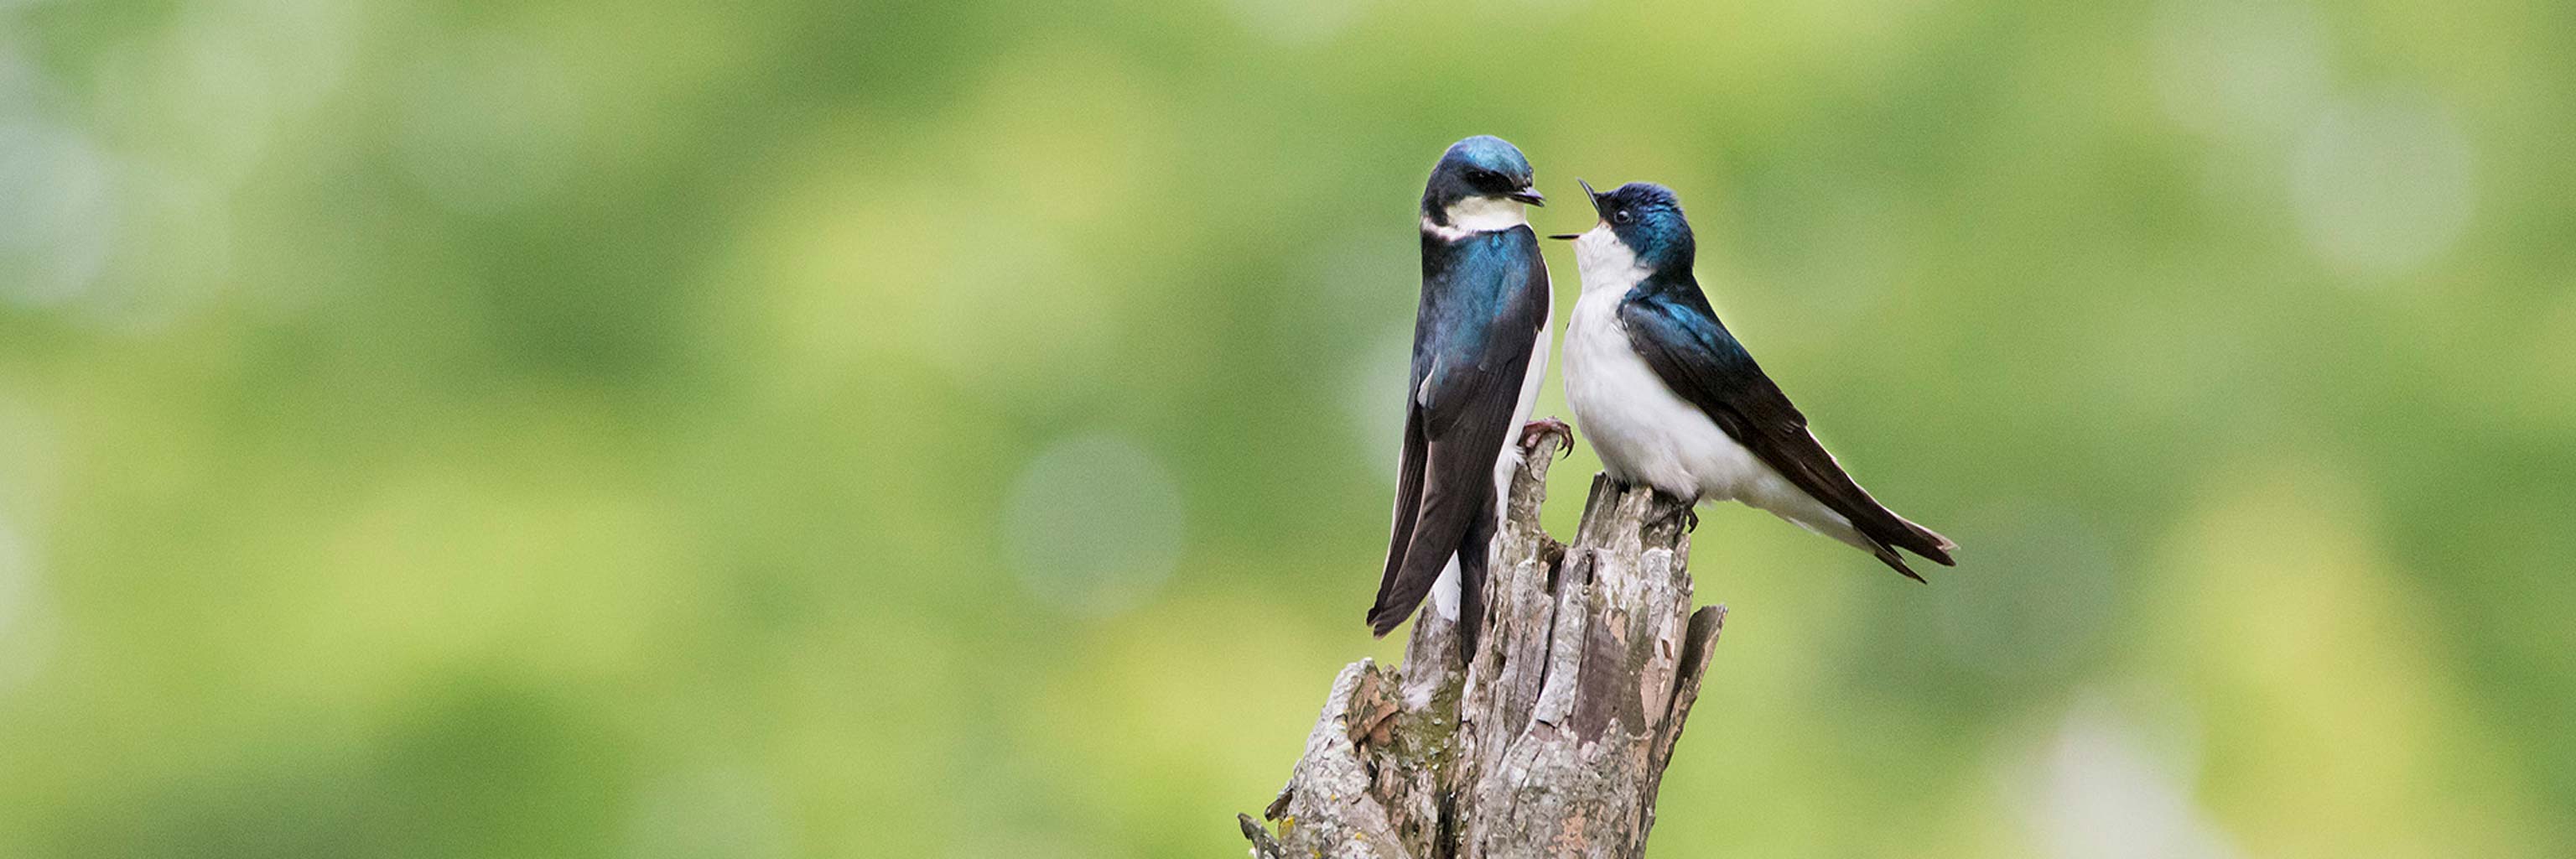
(1552, 738)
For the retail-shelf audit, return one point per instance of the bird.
(1480, 346)
(1669, 398)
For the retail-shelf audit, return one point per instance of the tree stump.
(1549, 740)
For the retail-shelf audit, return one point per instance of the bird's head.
(1480, 183)
(1641, 221)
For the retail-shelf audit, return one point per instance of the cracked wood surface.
(1552, 738)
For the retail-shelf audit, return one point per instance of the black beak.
(1528, 195)
(1596, 208)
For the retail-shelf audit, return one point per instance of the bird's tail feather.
(1889, 557)
(1924, 541)
(1884, 529)
(1409, 580)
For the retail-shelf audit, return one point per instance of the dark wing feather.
(1455, 508)
(1483, 301)
(1672, 327)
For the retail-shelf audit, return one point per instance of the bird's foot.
(1687, 514)
(1543, 427)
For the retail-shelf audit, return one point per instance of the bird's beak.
(1596, 208)
(1528, 195)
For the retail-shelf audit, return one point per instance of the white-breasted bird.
(1668, 398)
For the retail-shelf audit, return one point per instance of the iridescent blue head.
(1480, 183)
(1646, 218)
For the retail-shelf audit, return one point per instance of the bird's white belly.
(1642, 430)
(1510, 461)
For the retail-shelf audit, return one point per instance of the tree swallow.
(1479, 347)
(1670, 399)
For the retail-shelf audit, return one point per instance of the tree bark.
(1549, 740)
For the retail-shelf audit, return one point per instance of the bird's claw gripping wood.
(1685, 510)
(1543, 427)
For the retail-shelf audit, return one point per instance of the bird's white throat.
(1606, 262)
(1479, 215)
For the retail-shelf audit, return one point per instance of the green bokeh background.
(768, 429)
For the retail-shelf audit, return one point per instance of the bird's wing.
(1681, 338)
(1480, 317)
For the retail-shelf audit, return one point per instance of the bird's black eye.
(1481, 176)
(1622, 216)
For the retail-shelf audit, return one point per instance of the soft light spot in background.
(178, 118)
(2382, 183)
(57, 212)
(174, 252)
(2097, 790)
(488, 124)
(1093, 525)
(125, 244)
(197, 82)
(720, 813)
(2239, 69)
(2041, 598)
(211, 92)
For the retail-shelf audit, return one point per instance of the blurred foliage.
(960, 429)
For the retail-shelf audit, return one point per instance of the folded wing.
(1681, 338)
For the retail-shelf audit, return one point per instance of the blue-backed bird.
(1479, 347)
(1669, 399)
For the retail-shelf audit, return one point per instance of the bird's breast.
(1641, 429)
